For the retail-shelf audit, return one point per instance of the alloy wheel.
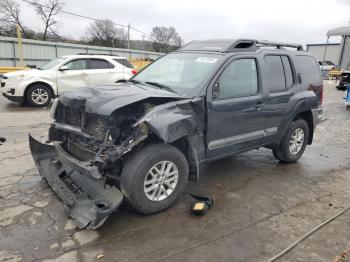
(161, 181)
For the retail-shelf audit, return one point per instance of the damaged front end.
(84, 162)
(94, 131)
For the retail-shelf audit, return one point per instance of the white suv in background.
(39, 86)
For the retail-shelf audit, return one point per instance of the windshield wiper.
(134, 81)
(161, 86)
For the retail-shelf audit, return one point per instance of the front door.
(74, 75)
(236, 110)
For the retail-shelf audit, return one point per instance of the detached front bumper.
(87, 197)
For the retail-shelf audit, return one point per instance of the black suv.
(144, 139)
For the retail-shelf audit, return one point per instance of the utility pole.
(129, 41)
(20, 47)
(143, 42)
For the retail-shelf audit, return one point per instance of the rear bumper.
(87, 197)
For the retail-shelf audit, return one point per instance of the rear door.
(236, 110)
(76, 75)
(280, 80)
(101, 72)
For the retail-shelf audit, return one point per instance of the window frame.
(226, 65)
(123, 64)
(293, 72)
(286, 89)
(75, 59)
(108, 63)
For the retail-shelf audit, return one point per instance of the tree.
(10, 17)
(47, 13)
(165, 39)
(106, 33)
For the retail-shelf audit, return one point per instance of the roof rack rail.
(278, 45)
(95, 54)
(230, 45)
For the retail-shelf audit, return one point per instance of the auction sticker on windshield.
(206, 60)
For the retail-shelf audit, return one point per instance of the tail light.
(134, 71)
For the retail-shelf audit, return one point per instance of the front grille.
(67, 115)
(94, 125)
(72, 117)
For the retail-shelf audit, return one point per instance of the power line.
(85, 17)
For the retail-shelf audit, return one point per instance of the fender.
(299, 108)
(177, 121)
(50, 84)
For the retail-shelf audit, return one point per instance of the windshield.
(182, 72)
(52, 63)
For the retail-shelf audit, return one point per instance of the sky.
(297, 21)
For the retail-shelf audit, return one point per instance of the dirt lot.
(261, 206)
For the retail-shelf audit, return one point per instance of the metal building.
(40, 52)
(332, 52)
(344, 54)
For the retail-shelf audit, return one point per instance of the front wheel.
(39, 95)
(294, 142)
(154, 177)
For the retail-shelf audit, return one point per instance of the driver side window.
(78, 64)
(239, 79)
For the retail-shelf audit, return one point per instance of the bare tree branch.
(10, 15)
(106, 33)
(165, 39)
(47, 13)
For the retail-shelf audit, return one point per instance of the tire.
(136, 178)
(285, 152)
(38, 95)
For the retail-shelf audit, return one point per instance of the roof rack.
(235, 45)
(95, 54)
(279, 45)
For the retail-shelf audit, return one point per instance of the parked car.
(144, 139)
(325, 67)
(39, 86)
(344, 80)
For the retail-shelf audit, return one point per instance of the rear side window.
(99, 64)
(276, 77)
(123, 62)
(280, 74)
(287, 71)
(309, 69)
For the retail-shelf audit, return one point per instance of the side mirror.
(216, 90)
(64, 68)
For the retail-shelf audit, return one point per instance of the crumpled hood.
(103, 100)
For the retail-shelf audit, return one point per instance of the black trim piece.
(17, 99)
(235, 139)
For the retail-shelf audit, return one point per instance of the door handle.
(259, 105)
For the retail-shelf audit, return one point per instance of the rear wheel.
(39, 95)
(154, 178)
(294, 142)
